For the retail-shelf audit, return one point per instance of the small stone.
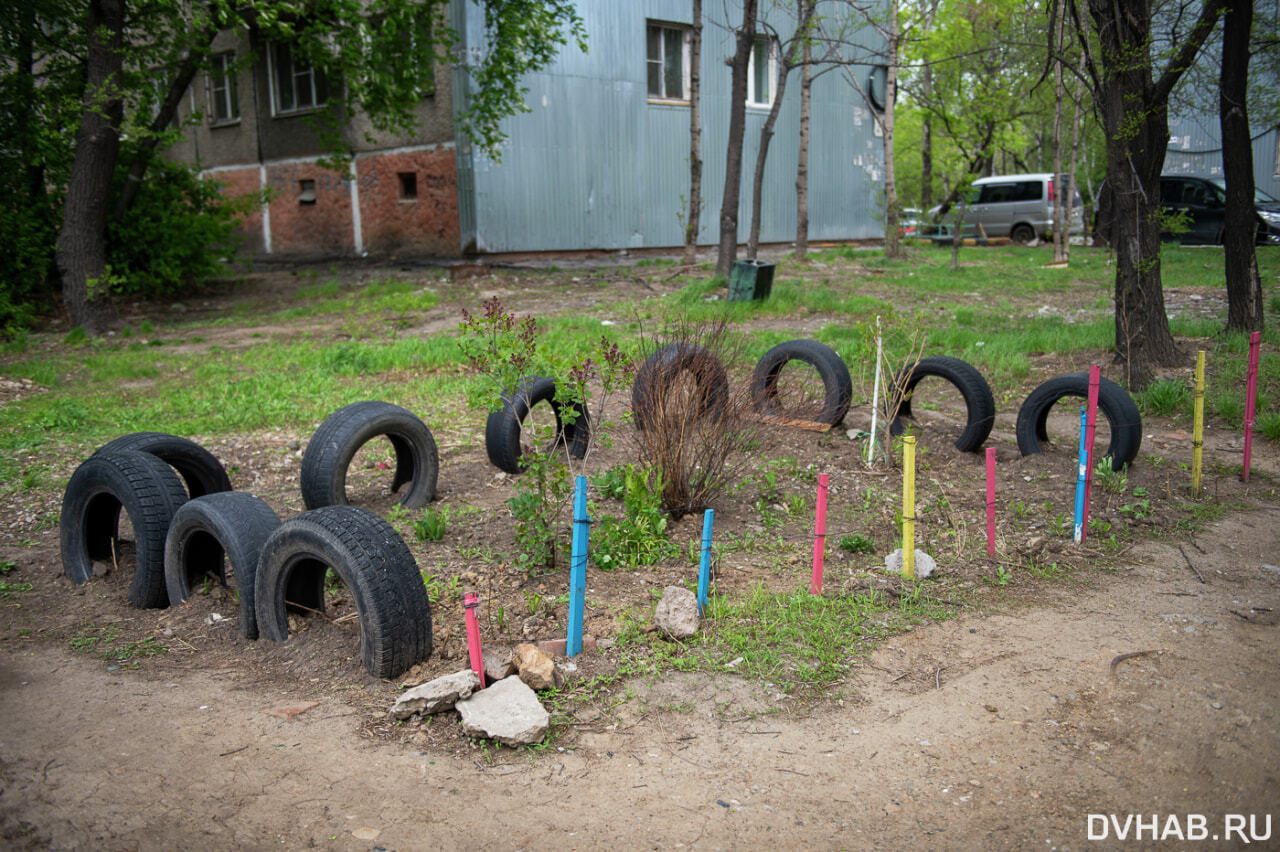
(536, 667)
(508, 711)
(436, 695)
(497, 665)
(677, 612)
(924, 563)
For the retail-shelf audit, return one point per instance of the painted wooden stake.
(704, 567)
(577, 567)
(875, 394)
(1090, 428)
(1197, 429)
(819, 536)
(1080, 481)
(991, 502)
(470, 601)
(909, 507)
(1250, 401)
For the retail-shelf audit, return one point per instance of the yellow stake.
(909, 507)
(1197, 433)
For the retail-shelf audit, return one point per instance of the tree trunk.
(1059, 203)
(81, 247)
(892, 241)
(728, 249)
(802, 155)
(695, 137)
(1070, 200)
(1244, 286)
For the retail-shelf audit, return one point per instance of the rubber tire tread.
(502, 428)
(1114, 402)
(198, 467)
(979, 403)
(104, 484)
(837, 384)
(1022, 228)
(375, 564)
(662, 367)
(323, 477)
(210, 531)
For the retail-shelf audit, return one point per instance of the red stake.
(1090, 429)
(1250, 401)
(471, 600)
(819, 536)
(991, 502)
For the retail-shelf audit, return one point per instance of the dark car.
(1201, 205)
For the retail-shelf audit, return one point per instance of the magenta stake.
(991, 502)
(1090, 429)
(470, 602)
(1250, 401)
(819, 535)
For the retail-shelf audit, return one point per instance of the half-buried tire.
(328, 455)
(980, 405)
(660, 372)
(198, 467)
(502, 429)
(150, 493)
(1114, 402)
(206, 535)
(371, 559)
(837, 386)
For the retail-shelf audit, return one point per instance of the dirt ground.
(1131, 677)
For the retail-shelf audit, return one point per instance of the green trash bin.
(750, 279)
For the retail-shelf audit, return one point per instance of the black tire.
(1023, 234)
(328, 455)
(661, 369)
(502, 429)
(1113, 401)
(371, 558)
(837, 385)
(980, 405)
(210, 531)
(148, 490)
(198, 467)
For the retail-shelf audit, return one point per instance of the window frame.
(754, 102)
(315, 79)
(686, 53)
(222, 70)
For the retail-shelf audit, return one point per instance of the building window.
(668, 62)
(762, 70)
(306, 192)
(408, 186)
(295, 85)
(224, 90)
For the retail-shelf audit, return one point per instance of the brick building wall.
(409, 201)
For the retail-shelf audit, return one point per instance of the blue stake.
(1080, 479)
(577, 568)
(704, 569)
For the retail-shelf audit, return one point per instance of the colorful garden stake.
(1197, 428)
(991, 502)
(1080, 481)
(1090, 428)
(909, 507)
(819, 536)
(577, 567)
(875, 394)
(470, 601)
(704, 567)
(1250, 401)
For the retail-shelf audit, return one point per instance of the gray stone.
(497, 664)
(437, 695)
(508, 711)
(924, 563)
(677, 612)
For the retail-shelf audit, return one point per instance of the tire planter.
(376, 566)
(1114, 402)
(662, 368)
(980, 405)
(502, 429)
(836, 383)
(198, 467)
(211, 531)
(144, 487)
(328, 455)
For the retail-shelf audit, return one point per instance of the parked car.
(1017, 206)
(1201, 204)
(909, 222)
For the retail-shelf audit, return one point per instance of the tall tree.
(695, 136)
(746, 37)
(802, 151)
(1244, 285)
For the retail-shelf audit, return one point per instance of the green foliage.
(857, 543)
(432, 526)
(1108, 478)
(638, 537)
(1166, 398)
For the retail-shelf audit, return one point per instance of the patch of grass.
(432, 526)
(1166, 398)
(9, 589)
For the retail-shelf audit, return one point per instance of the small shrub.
(1166, 398)
(431, 527)
(638, 537)
(857, 543)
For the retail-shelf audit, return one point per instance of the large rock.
(507, 711)
(924, 563)
(677, 612)
(437, 695)
(536, 667)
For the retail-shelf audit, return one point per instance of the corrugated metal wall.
(595, 165)
(1195, 148)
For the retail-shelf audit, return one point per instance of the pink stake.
(1250, 401)
(819, 536)
(991, 502)
(1090, 429)
(471, 601)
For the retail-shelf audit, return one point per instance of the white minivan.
(1016, 206)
